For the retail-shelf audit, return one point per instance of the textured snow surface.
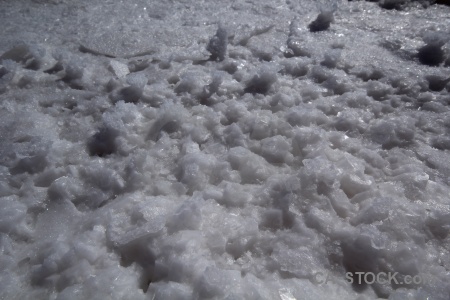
(223, 149)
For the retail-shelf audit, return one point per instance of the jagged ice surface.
(223, 150)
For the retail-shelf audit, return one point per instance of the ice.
(261, 82)
(275, 149)
(217, 150)
(431, 54)
(112, 44)
(103, 142)
(218, 44)
(252, 167)
(322, 22)
(120, 69)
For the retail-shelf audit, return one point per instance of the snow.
(224, 150)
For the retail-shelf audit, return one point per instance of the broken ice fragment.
(322, 22)
(218, 44)
(114, 44)
(103, 142)
(118, 68)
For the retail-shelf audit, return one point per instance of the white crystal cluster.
(224, 149)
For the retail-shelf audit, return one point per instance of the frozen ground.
(223, 149)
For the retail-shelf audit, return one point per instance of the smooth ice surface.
(224, 149)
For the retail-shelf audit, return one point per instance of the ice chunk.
(439, 224)
(73, 70)
(102, 178)
(305, 116)
(196, 170)
(137, 79)
(3, 71)
(219, 283)
(322, 22)
(392, 133)
(233, 195)
(170, 290)
(275, 149)
(117, 44)
(295, 67)
(263, 80)
(191, 82)
(262, 125)
(437, 83)
(32, 57)
(432, 53)
(373, 210)
(103, 142)
(217, 46)
(213, 87)
(272, 219)
(131, 94)
(118, 68)
(341, 204)
(297, 45)
(169, 121)
(13, 216)
(20, 53)
(242, 236)
(360, 255)
(332, 58)
(441, 143)
(353, 184)
(253, 168)
(234, 136)
(33, 164)
(138, 251)
(303, 138)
